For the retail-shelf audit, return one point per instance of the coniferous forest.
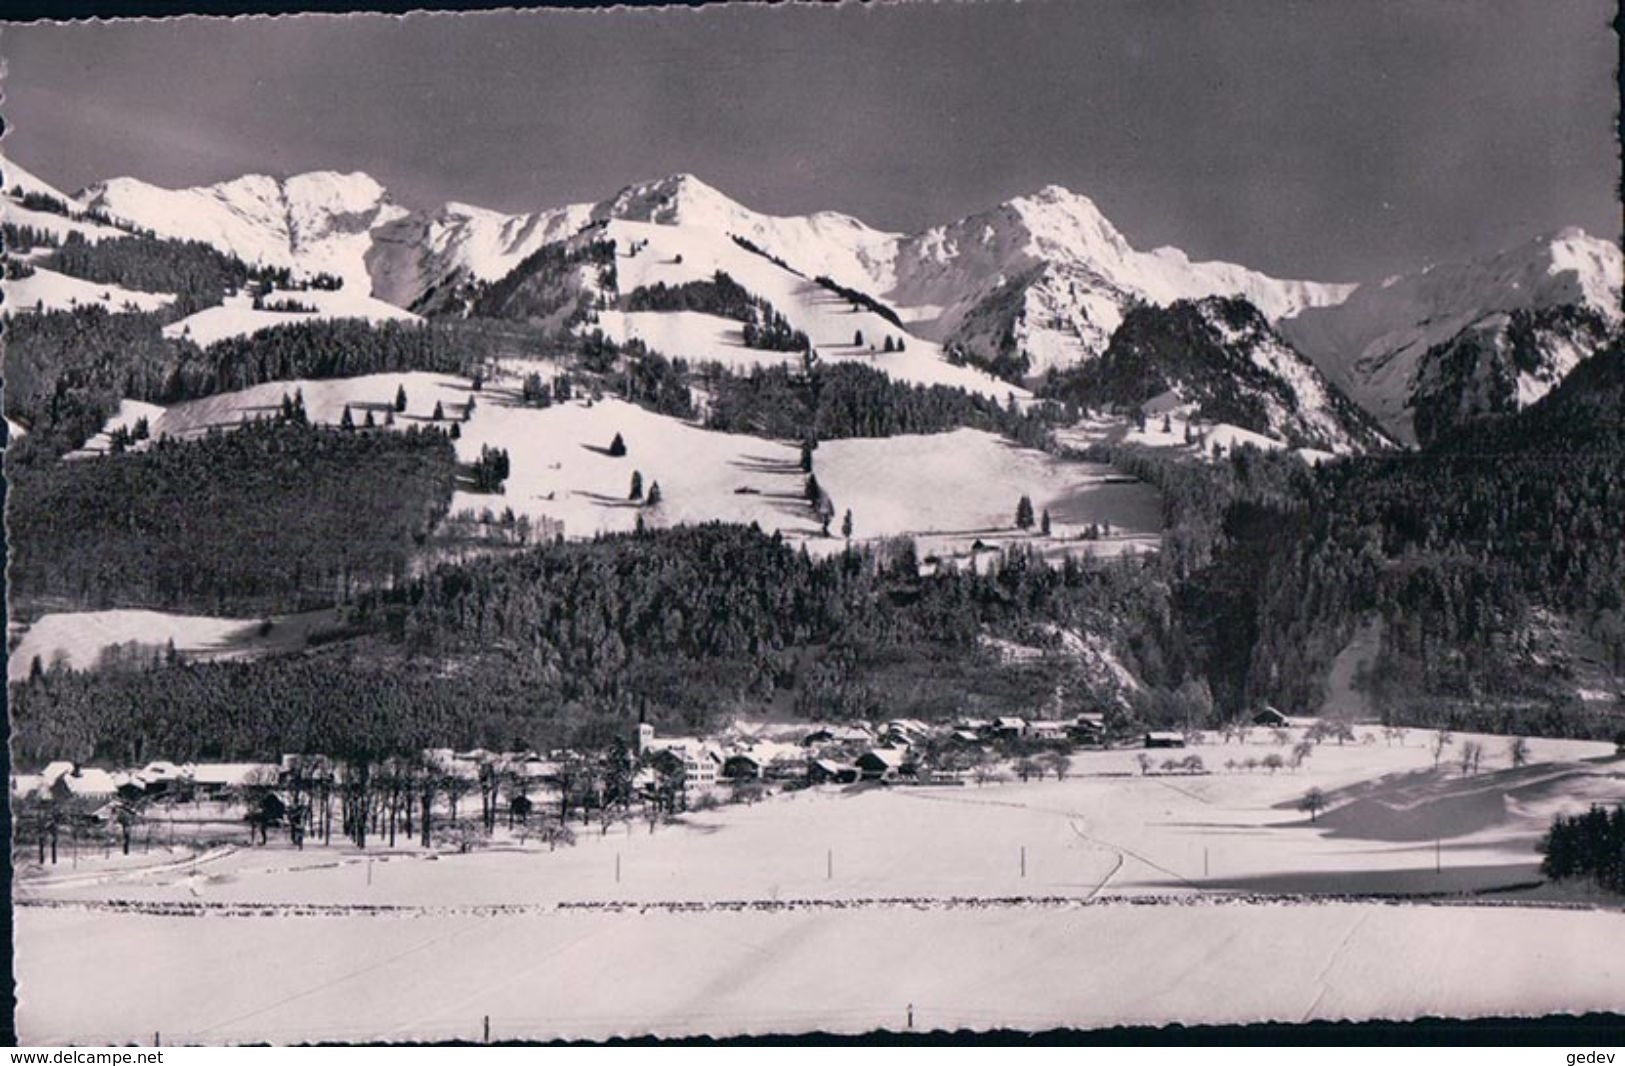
(271, 517)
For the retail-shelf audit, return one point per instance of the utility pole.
(1023, 860)
(829, 865)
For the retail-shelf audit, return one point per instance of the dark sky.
(1321, 139)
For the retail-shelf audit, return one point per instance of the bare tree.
(1518, 751)
(1314, 801)
(1472, 753)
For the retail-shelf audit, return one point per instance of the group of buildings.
(903, 748)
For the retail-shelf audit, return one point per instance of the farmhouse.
(1087, 728)
(837, 734)
(1007, 728)
(84, 783)
(1046, 730)
(217, 778)
(830, 772)
(743, 766)
(881, 764)
(1270, 718)
(1164, 740)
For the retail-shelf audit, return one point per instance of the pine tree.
(653, 499)
(1043, 524)
(439, 412)
(617, 447)
(812, 490)
(637, 486)
(846, 524)
(368, 422)
(456, 431)
(468, 412)
(346, 420)
(400, 399)
(887, 346)
(1024, 513)
(806, 457)
(857, 339)
(1167, 424)
(389, 416)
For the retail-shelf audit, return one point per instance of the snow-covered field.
(237, 317)
(1090, 901)
(80, 638)
(949, 488)
(46, 290)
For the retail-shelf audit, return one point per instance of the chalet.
(86, 783)
(1007, 728)
(911, 730)
(162, 777)
(881, 764)
(128, 786)
(837, 734)
(1046, 730)
(1270, 718)
(1164, 739)
(743, 766)
(830, 772)
(219, 778)
(1087, 728)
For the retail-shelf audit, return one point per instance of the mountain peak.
(677, 198)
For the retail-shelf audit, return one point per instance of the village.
(431, 796)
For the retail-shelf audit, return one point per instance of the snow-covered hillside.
(237, 316)
(950, 489)
(1373, 344)
(46, 290)
(15, 180)
(319, 222)
(673, 255)
(1221, 357)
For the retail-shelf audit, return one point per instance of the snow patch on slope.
(237, 317)
(46, 290)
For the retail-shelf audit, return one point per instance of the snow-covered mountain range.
(1387, 342)
(1039, 282)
